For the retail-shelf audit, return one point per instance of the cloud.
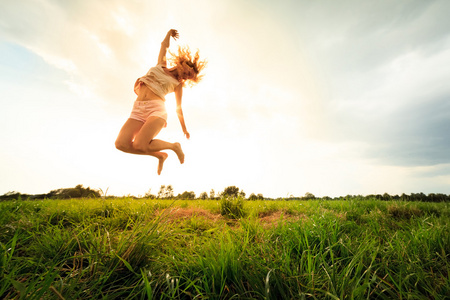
(91, 41)
(405, 116)
(379, 77)
(310, 87)
(416, 135)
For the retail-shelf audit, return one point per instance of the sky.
(326, 97)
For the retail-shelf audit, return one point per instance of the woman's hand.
(173, 33)
(165, 44)
(187, 134)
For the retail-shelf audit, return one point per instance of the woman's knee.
(123, 146)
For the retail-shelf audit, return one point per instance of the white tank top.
(159, 81)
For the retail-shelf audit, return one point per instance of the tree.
(11, 195)
(309, 196)
(149, 194)
(256, 197)
(161, 191)
(212, 194)
(186, 195)
(418, 197)
(252, 197)
(386, 197)
(231, 191)
(77, 192)
(203, 196)
(165, 191)
(169, 191)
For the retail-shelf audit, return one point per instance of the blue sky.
(328, 97)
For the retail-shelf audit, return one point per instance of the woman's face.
(187, 72)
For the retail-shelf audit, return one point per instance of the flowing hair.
(184, 56)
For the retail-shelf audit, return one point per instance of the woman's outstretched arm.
(165, 44)
(178, 96)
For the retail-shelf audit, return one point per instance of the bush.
(77, 192)
(256, 197)
(309, 196)
(186, 195)
(232, 208)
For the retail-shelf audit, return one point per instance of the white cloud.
(312, 94)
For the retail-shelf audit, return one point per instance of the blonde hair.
(184, 56)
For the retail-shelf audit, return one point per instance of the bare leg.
(161, 158)
(157, 145)
(125, 139)
(137, 138)
(145, 143)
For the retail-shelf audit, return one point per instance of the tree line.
(68, 193)
(167, 192)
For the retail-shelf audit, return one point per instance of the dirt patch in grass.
(267, 219)
(273, 218)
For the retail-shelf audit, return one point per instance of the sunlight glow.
(297, 97)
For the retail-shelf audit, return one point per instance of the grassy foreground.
(160, 249)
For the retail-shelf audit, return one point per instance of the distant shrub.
(308, 196)
(77, 192)
(256, 197)
(186, 195)
(232, 208)
(11, 196)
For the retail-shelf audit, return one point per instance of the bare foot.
(161, 157)
(179, 152)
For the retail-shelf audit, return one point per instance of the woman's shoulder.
(156, 68)
(160, 67)
(161, 64)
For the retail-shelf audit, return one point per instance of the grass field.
(204, 249)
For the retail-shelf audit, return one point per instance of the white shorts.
(142, 110)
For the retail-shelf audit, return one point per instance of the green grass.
(163, 249)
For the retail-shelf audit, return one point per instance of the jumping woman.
(149, 115)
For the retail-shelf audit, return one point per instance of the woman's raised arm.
(165, 44)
